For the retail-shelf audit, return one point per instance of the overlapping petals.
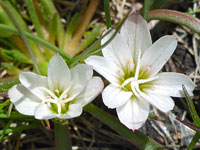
(61, 94)
(132, 63)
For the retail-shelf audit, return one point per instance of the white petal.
(170, 83)
(81, 74)
(114, 97)
(134, 113)
(34, 83)
(118, 51)
(25, 102)
(136, 33)
(162, 102)
(94, 87)
(158, 54)
(75, 110)
(59, 75)
(106, 68)
(43, 112)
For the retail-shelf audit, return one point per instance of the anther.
(48, 97)
(65, 96)
(148, 68)
(63, 105)
(128, 62)
(57, 91)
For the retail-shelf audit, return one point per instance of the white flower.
(61, 94)
(132, 64)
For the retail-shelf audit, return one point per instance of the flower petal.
(134, 113)
(115, 97)
(34, 82)
(59, 75)
(162, 102)
(170, 83)
(75, 110)
(158, 54)
(43, 112)
(136, 33)
(118, 51)
(94, 87)
(81, 74)
(25, 102)
(106, 68)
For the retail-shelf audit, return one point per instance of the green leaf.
(4, 104)
(192, 109)
(11, 69)
(70, 29)
(5, 85)
(137, 138)
(12, 10)
(90, 38)
(16, 116)
(36, 39)
(51, 11)
(34, 18)
(15, 55)
(194, 141)
(107, 12)
(4, 20)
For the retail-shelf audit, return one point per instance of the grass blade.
(22, 35)
(192, 109)
(136, 138)
(107, 11)
(36, 39)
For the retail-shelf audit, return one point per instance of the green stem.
(36, 39)
(175, 17)
(146, 9)
(63, 140)
(194, 141)
(137, 138)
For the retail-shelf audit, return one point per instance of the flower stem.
(62, 137)
(175, 17)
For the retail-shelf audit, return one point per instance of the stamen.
(59, 108)
(50, 93)
(147, 80)
(128, 62)
(138, 66)
(127, 81)
(153, 87)
(118, 71)
(65, 92)
(133, 88)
